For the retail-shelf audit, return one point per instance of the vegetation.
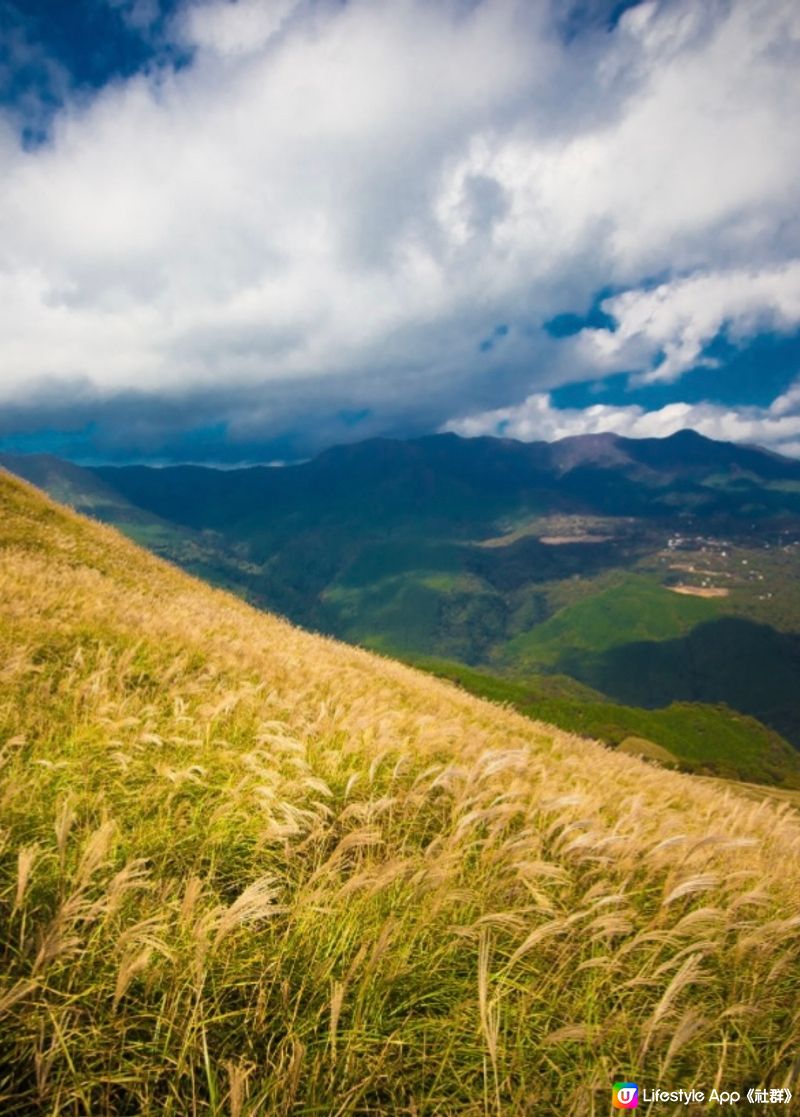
(246, 870)
(752, 668)
(690, 735)
(515, 558)
(634, 608)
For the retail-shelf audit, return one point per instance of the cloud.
(672, 323)
(231, 30)
(776, 426)
(339, 202)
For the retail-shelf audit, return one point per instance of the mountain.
(247, 869)
(621, 563)
(72, 485)
(447, 478)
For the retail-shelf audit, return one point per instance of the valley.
(652, 572)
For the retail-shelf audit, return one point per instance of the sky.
(245, 230)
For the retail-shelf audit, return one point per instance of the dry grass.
(245, 870)
(648, 750)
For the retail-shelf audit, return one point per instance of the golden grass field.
(247, 870)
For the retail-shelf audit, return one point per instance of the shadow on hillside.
(751, 667)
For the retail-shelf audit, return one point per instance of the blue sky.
(236, 231)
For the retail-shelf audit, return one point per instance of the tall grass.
(245, 870)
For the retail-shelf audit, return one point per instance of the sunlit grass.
(245, 870)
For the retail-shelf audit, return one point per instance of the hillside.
(248, 870)
(692, 736)
(654, 571)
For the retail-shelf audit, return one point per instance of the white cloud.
(358, 193)
(238, 28)
(776, 427)
(675, 321)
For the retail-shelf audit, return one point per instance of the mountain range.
(642, 590)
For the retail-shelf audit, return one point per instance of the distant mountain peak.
(604, 449)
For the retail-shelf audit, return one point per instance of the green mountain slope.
(750, 667)
(696, 737)
(635, 608)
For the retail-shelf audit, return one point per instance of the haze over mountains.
(612, 577)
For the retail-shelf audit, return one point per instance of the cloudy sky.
(243, 231)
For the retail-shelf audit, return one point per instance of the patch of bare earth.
(560, 540)
(701, 591)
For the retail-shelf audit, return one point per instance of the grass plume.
(247, 870)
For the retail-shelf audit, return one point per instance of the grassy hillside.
(246, 870)
(751, 667)
(695, 737)
(643, 645)
(588, 557)
(635, 608)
